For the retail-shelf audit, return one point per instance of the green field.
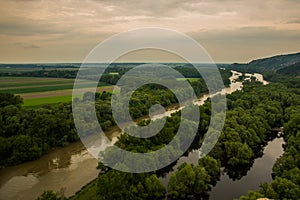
(42, 91)
(47, 91)
(25, 85)
(37, 102)
(114, 73)
(190, 79)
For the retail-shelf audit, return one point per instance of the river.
(260, 172)
(69, 168)
(64, 169)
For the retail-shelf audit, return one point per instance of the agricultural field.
(41, 91)
(190, 79)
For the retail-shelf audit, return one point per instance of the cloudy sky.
(67, 30)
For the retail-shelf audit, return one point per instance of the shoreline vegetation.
(253, 114)
(57, 120)
(235, 171)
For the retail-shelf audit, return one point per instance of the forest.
(27, 134)
(252, 118)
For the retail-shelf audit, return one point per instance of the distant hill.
(276, 62)
(292, 70)
(282, 64)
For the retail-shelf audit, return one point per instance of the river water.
(260, 172)
(64, 169)
(67, 169)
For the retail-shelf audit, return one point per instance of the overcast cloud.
(65, 30)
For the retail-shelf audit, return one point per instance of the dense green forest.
(251, 118)
(22, 138)
(28, 134)
(252, 115)
(292, 70)
(286, 170)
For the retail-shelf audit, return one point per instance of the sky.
(67, 30)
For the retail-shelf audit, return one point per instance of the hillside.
(292, 70)
(276, 62)
(282, 64)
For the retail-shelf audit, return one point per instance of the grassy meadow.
(40, 91)
(190, 79)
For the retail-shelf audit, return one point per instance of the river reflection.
(260, 172)
(228, 188)
(64, 169)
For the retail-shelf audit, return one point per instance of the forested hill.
(293, 70)
(282, 64)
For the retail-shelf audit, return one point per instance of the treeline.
(292, 70)
(251, 117)
(286, 170)
(28, 134)
(143, 98)
(111, 75)
(285, 73)
(140, 102)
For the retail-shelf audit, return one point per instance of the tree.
(285, 188)
(238, 153)
(188, 181)
(212, 166)
(120, 185)
(154, 188)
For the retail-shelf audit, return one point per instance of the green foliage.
(212, 166)
(120, 185)
(189, 181)
(283, 69)
(286, 172)
(10, 99)
(252, 113)
(251, 117)
(28, 134)
(237, 153)
(36, 103)
(271, 63)
(291, 70)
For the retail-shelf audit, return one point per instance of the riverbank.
(225, 188)
(67, 169)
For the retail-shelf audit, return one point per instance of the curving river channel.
(67, 169)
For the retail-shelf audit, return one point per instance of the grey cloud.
(249, 33)
(25, 27)
(27, 46)
(293, 21)
(244, 44)
(32, 46)
(25, 0)
(148, 8)
(172, 7)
